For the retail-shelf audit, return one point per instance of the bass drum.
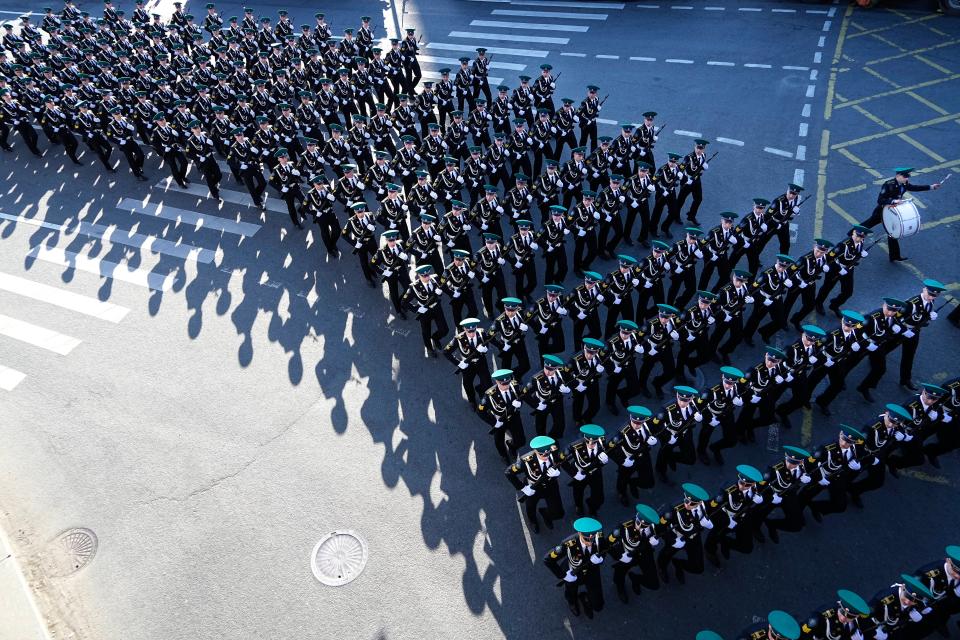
(901, 220)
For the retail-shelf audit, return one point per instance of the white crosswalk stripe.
(435, 75)
(184, 216)
(37, 336)
(500, 51)
(117, 236)
(505, 37)
(497, 24)
(228, 195)
(62, 298)
(141, 277)
(10, 378)
(555, 15)
(455, 62)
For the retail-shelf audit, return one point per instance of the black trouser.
(177, 163)
(647, 577)
(256, 185)
(552, 342)
(876, 475)
(756, 415)
(783, 236)
(838, 375)
(680, 452)
(624, 310)
(735, 327)
(131, 150)
(555, 270)
(907, 354)
(701, 346)
(665, 358)
(588, 131)
(792, 520)
(778, 319)
(396, 286)
(549, 492)
(555, 412)
(293, 197)
(590, 324)
(877, 361)
(876, 217)
(673, 211)
(644, 297)
(643, 209)
(687, 280)
(638, 476)
(586, 404)
(465, 97)
(621, 386)
(525, 279)
(330, 233)
(69, 142)
(516, 359)
(487, 289)
(434, 319)
(609, 245)
(591, 581)
(26, 131)
(728, 434)
(99, 144)
(803, 388)
(212, 175)
(836, 500)
(465, 301)
(538, 155)
(594, 480)
(521, 164)
(739, 539)
(572, 195)
(808, 298)
(846, 288)
(693, 563)
(696, 189)
(475, 379)
(563, 139)
(584, 250)
(760, 311)
(514, 428)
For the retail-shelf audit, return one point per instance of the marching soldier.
(807, 364)
(378, 175)
(540, 469)
(881, 437)
(120, 131)
(632, 449)
(553, 235)
(572, 174)
(845, 349)
(521, 252)
(166, 141)
(545, 393)
(545, 319)
(576, 561)
(500, 110)
(56, 123)
(486, 213)
(564, 121)
(718, 243)
(584, 462)
(638, 189)
(519, 146)
(683, 527)
(517, 200)
(652, 271)
(393, 212)
(585, 303)
(735, 511)
(899, 610)
(391, 260)
(891, 193)
(633, 545)
(588, 112)
(779, 625)
(947, 439)
(423, 297)
(660, 335)
(848, 619)
(621, 354)
(772, 286)
(286, 179)
(474, 172)
(449, 182)
(942, 578)
(610, 201)
(695, 333)
(598, 165)
(786, 487)
(244, 159)
(925, 418)
(917, 314)
(619, 292)
(694, 164)
(676, 437)
(846, 257)
(424, 243)
(422, 198)
(809, 268)
(733, 299)
(585, 369)
(468, 351)
(839, 464)
(14, 114)
(496, 161)
(88, 126)
(359, 232)
(684, 256)
(508, 332)
(783, 210)
(200, 151)
(489, 263)
(767, 382)
(583, 222)
(754, 234)
(543, 89)
(721, 402)
(645, 138)
(667, 180)
(542, 133)
(456, 281)
(500, 407)
(547, 188)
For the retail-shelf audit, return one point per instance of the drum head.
(892, 222)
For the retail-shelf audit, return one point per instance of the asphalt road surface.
(209, 395)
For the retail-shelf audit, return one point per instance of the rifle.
(716, 153)
(604, 99)
(557, 77)
(657, 131)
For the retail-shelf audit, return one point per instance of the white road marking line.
(497, 1)
(783, 10)
(817, 57)
(607, 121)
(801, 152)
(604, 56)
(648, 6)
(719, 63)
(821, 41)
(105, 268)
(798, 177)
(678, 61)
(748, 9)
(791, 68)
(10, 378)
(681, 7)
(511, 66)
(756, 66)
(564, 3)
(832, 12)
(573, 55)
(114, 235)
(715, 8)
(805, 113)
(428, 74)
(62, 298)
(811, 89)
(803, 130)
(507, 38)
(191, 218)
(738, 143)
(549, 14)
(500, 51)
(530, 26)
(778, 152)
(813, 74)
(21, 13)
(37, 336)
(826, 25)
(228, 195)
(643, 59)
(822, 12)
(691, 134)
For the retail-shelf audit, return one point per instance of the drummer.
(891, 192)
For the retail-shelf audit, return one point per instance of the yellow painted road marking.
(895, 26)
(907, 17)
(876, 74)
(918, 145)
(898, 130)
(843, 192)
(892, 92)
(846, 153)
(806, 429)
(926, 477)
(897, 56)
(949, 164)
(936, 66)
(940, 221)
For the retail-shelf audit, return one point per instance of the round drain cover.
(72, 550)
(339, 558)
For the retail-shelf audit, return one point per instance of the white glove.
(528, 491)
(732, 524)
(626, 557)
(498, 424)
(634, 281)
(843, 271)
(763, 227)
(603, 457)
(673, 439)
(726, 316)
(754, 399)
(501, 261)
(898, 436)
(596, 215)
(829, 362)
(746, 244)
(371, 227)
(553, 472)
(243, 167)
(805, 479)
(482, 348)
(748, 299)
(934, 415)
(896, 328)
(674, 335)
(284, 189)
(691, 337)
(734, 240)
(915, 615)
(600, 297)
(580, 476)
(617, 300)
(450, 243)
(767, 301)
(826, 268)
(776, 499)
(463, 364)
(698, 416)
(947, 418)
(387, 273)
(679, 543)
(872, 346)
(581, 232)
(534, 246)
(403, 255)
(518, 264)
(638, 349)
(617, 368)
(647, 284)
(507, 346)
(855, 346)
(570, 577)
(541, 406)
(581, 316)
(779, 379)
(581, 387)
(880, 634)
(467, 227)
(757, 498)
(789, 377)
(651, 441)
(706, 165)
(564, 389)
(933, 315)
(358, 244)
(705, 523)
(421, 309)
(714, 422)
(823, 482)
(864, 253)
(711, 320)
(909, 333)
(628, 462)
(563, 311)
(698, 253)
(737, 401)
(595, 559)
(855, 465)
(543, 329)
(622, 199)
(516, 404)
(813, 359)
(651, 188)
(803, 284)
(788, 283)
(433, 194)
(653, 351)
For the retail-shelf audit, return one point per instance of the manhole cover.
(71, 551)
(339, 558)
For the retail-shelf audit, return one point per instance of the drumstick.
(945, 179)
